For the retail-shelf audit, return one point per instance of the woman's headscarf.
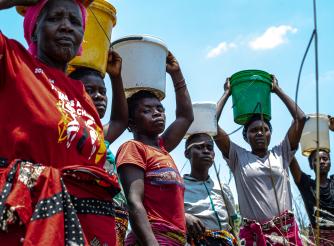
(30, 20)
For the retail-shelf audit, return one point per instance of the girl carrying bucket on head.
(261, 175)
(53, 188)
(152, 184)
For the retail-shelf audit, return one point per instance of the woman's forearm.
(119, 111)
(221, 104)
(293, 108)
(140, 224)
(183, 101)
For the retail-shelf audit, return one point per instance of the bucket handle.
(126, 39)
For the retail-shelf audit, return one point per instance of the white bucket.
(308, 141)
(143, 64)
(205, 119)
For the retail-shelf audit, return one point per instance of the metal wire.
(98, 22)
(314, 37)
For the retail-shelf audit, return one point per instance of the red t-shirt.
(163, 185)
(45, 117)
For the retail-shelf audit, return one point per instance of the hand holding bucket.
(114, 65)
(275, 86)
(227, 86)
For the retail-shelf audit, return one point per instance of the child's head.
(324, 160)
(199, 150)
(146, 114)
(95, 87)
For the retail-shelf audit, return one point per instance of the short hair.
(310, 157)
(135, 98)
(80, 72)
(255, 117)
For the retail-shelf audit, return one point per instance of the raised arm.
(119, 111)
(5, 4)
(184, 112)
(295, 170)
(132, 179)
(296, 128)
(222, 139)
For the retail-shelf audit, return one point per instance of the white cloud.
(272, 37)
(220, 49)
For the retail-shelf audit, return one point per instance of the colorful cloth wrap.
(213, 238)
(122, 220)
(121, 208)
(163, 234)
(31, 17)
(326, 237)
(41, 205)
(281, 230)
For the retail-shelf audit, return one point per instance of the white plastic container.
(308, 141)
(205, 119)
(143, 64)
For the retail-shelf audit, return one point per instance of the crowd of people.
(61, 185)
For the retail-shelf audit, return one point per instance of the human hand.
(275, 87)
(114, 66)
(172, 66)
(331, 122)
(227, 86)
(195, 228)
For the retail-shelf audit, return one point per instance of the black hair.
(310, 157)
(135, 98)
(80, 72)
(254, 117)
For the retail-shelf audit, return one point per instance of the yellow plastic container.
(101, 18)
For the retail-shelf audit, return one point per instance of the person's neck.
(200, 175)
(148, 140)
(260, 153)
(46, 60)
(323, 180)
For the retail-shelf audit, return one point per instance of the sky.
(216, 38)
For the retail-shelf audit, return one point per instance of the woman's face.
(59, 31)
(149, 117)
(324, 161)
(258, 135)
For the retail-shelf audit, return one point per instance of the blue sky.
(214, 39)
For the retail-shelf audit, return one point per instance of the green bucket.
(251, 94)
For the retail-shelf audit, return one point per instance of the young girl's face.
(94, 86)
(149, 117)
(201, 152)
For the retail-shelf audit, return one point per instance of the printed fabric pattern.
(52, 212)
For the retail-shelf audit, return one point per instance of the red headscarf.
(30, 19)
